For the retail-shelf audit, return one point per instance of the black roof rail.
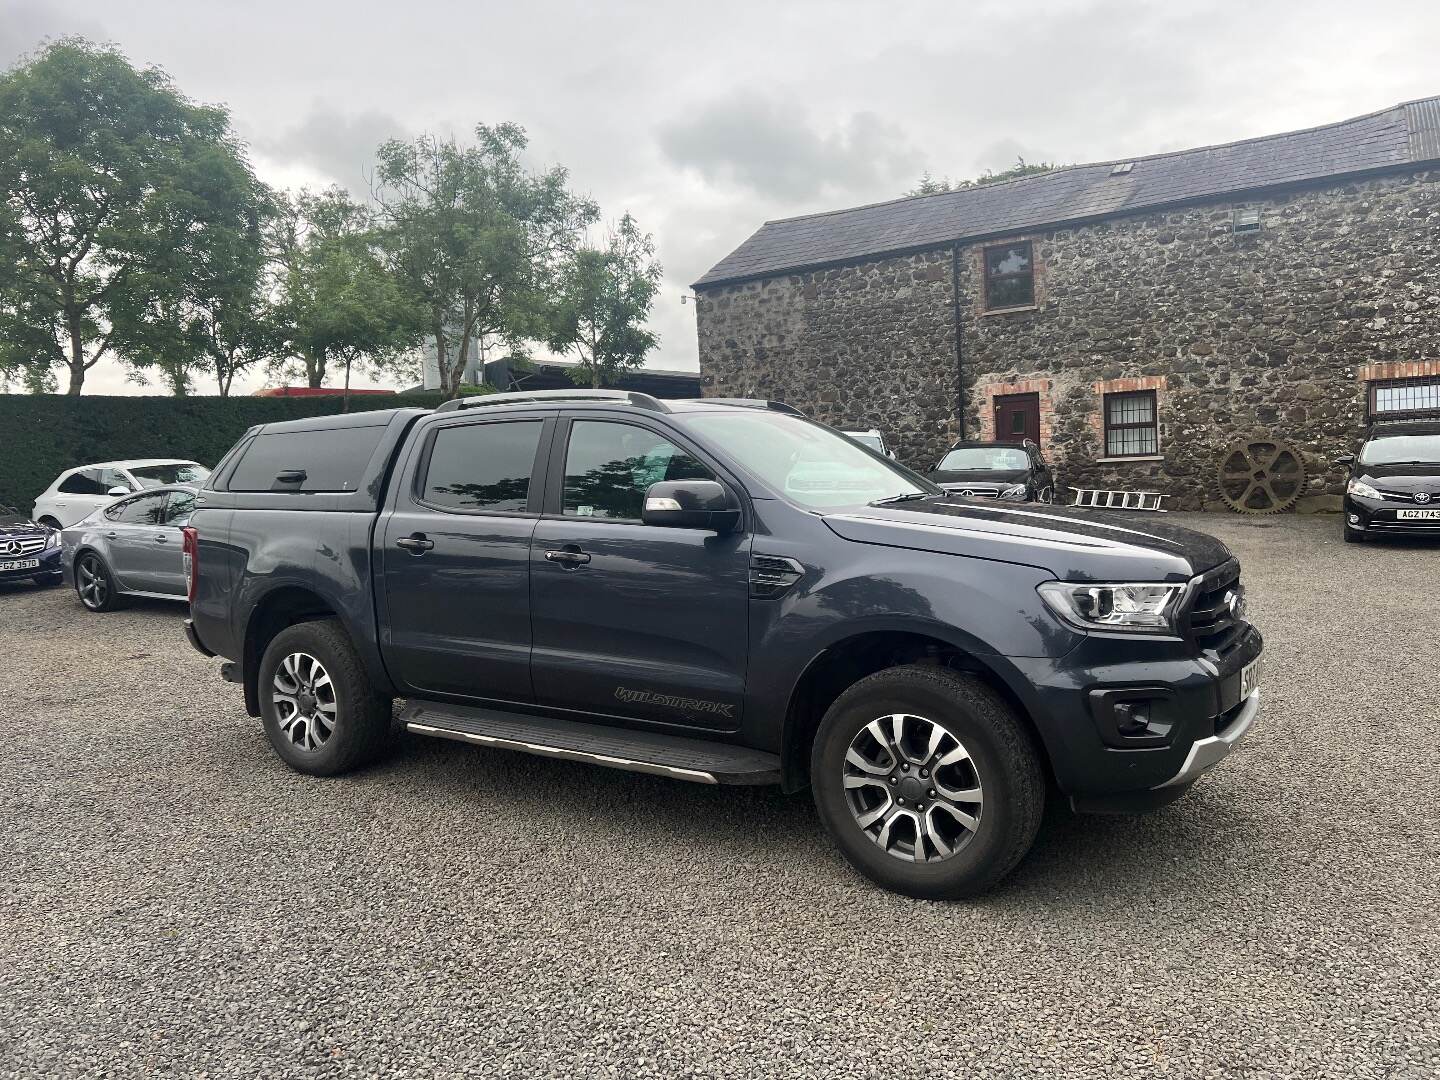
(545, 397)
(750, 403)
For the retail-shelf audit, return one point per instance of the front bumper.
(1382, 516)
(49, 560)
(1208, 752)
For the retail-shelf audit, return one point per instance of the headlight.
(1364, 490)
(1014, 491)
(1142, 608)
(52, 539)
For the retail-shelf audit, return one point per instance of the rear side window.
(84, 482)
(333, 459)
(482, 466)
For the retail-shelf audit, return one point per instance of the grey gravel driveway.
(174, 901)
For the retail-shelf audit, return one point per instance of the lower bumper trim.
(194, 639)
(1206, 753)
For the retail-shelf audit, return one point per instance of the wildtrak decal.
(670, 701)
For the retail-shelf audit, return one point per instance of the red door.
(1017, 417)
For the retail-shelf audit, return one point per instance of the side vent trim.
(772, 575)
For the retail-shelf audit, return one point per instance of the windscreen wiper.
(907, 497)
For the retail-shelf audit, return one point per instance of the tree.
(603, 301)
(338, 303)
(111, 181)
(476, 239)
(928, 185)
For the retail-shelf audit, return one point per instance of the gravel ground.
(177, 902)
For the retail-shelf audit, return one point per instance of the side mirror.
(1345, 459)
(117, 491)
(691, 504)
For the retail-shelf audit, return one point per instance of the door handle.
(111, 535)
(416, 544)
(569, 557)
(161, 539)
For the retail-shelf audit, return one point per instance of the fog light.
(1354, 519)
(1132, 718)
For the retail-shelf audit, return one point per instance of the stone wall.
(856, 347)
(1269, 334)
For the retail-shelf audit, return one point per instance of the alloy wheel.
(304, 697)
(913, 788)
(90, 582)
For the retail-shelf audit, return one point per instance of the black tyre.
(320, 711)
(48, 581)
(927, 781)
(94, 584)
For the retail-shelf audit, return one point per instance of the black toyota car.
(1394, 483)
(1013, 471)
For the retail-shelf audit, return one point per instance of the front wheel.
(927, 781)
(320, 711)
(94, 585)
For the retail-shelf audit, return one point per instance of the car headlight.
(1364, 490)
(1014, 491)
(1141, 608)
(52, 539)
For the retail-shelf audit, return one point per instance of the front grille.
(1211, 620)
(1408, 496)
(974, 493)
(28, 545)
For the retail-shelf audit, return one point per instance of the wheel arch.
(845, 662)
(281, 607)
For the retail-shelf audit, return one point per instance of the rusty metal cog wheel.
(1261, 476)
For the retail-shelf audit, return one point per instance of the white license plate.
(1249, 678)
(1420, 515)
(19, 564)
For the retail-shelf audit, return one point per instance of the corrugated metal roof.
(1402, 135)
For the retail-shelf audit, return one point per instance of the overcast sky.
(704, 120)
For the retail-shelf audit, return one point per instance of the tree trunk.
(77, 353)
(345, 405)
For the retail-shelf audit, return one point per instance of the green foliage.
(929, 185)
(46, 434)
(338, 302)
(116, 189)
(476, 239)
(603, 301)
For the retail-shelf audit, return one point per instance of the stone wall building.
(1137, 318)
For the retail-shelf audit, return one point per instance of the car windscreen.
(153, 476)
(984, 459)
(1423, 449)
(814, 466)
(871, 441)
(332, 459)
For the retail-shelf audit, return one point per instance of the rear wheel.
(927, 781)
(320, 711)
(94, 585)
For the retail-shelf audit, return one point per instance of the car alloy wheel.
(912, 788)
(91, 582)
(304, 701)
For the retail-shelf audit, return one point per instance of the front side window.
(114, 478)
(146, 510)
(610, 465)
(1404, 395)
(1009, 276)
(1131, 427)
(815, 467)
(482, 466)
(153, 476)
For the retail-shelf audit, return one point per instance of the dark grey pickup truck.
(725, 592)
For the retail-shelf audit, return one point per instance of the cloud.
(25, 28)
(338, 145)
(774, 151)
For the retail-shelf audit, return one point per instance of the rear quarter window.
(333, 459)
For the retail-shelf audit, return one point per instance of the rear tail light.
(191, 550)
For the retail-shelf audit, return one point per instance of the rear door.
(631, 620)
(453, 557)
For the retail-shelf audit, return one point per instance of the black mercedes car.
(1016, 472)
(28, 549)
(1394, 483)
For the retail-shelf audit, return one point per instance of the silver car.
(132, 547)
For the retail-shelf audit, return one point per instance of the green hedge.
(42, 435)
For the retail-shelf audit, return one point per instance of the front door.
(139, 545)
(631, 620)
(1017, 418)
(454, 559)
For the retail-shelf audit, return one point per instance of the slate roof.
(1406, 134)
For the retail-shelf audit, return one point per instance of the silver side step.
(696, 760)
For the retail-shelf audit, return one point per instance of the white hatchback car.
(78, 492)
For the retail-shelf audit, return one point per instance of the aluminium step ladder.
(1100, 498)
